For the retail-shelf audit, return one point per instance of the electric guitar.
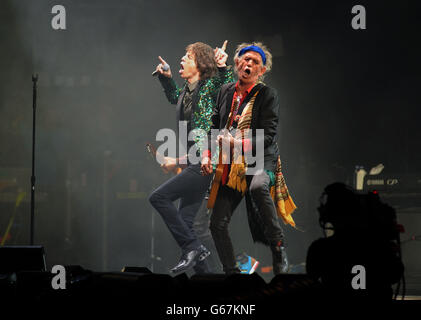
(159, 157)
(223, 156)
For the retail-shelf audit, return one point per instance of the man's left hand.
(221, 56)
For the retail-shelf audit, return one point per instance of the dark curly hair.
(204, 58)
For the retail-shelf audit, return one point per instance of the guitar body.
(223, 157)
(220, 168)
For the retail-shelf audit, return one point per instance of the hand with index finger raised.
(164, 68)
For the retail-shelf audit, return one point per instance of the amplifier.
(402, 191)
(402, 183)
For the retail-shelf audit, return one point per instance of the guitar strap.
(236, 176)
(253, 93)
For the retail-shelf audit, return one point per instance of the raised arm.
(225, 73)
(171, 90)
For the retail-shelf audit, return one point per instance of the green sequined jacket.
(204, 101)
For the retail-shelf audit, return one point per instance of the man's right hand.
(206, 168)
(160, 68)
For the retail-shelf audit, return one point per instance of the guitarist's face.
(250, 67)
(188, 70)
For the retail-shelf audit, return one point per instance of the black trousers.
(227, 201)
(201, 228)
(190, 187)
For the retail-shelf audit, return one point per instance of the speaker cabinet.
(22, 258)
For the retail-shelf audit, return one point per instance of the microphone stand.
(34, 106)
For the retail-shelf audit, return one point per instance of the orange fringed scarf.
(237, 175)
(285, 206)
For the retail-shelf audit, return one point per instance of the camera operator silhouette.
(362, 257)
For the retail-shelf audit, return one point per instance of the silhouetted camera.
(348, 210)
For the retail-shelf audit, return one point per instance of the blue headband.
(255, 49)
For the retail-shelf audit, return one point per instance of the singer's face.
(250, 67)
(188, 68)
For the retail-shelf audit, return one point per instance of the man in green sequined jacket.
(204, 71)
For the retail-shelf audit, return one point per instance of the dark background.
(348, 97)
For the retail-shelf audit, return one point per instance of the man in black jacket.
(247, 105)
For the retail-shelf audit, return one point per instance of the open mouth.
(247, 71)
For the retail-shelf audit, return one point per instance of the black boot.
(279, 259)
(204, 253)
(190, 258)
(201, 267)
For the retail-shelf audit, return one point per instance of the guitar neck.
(152, 150)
